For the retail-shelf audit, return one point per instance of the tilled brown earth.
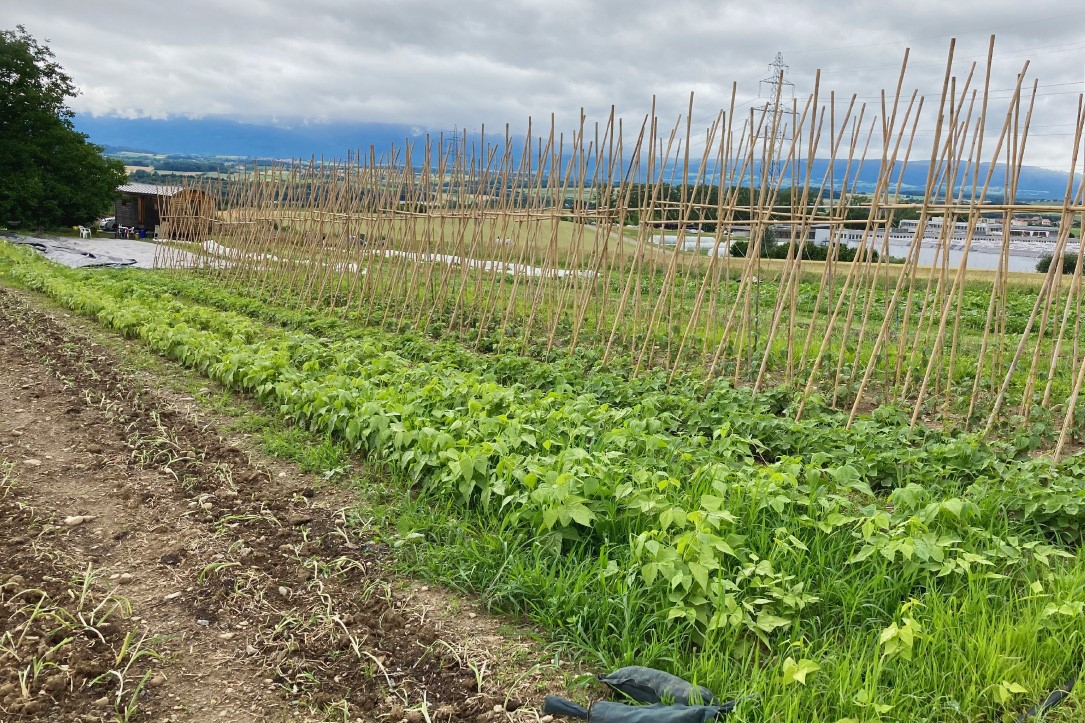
(151, 570)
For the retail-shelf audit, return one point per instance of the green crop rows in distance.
(1035, 401)
(870, 573)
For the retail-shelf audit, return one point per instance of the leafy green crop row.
(681, 401)
(582, 370)
(860, 573)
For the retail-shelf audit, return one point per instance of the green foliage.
(166, 179)
(899, 639)
(796, 671)
(1069, 263)
(189, 165)
(855, 572)
(49, 174)
(771, 248)
(904, 214)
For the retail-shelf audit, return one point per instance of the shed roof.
(150, 189)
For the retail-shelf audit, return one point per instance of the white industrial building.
(985, 232)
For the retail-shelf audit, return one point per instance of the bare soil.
(150, 569)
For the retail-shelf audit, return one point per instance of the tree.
(1069, 263)
(50, 175)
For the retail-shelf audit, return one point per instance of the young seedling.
(213, 568)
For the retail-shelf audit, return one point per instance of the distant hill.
(225, 137)
(1035, 183)
(127, 149)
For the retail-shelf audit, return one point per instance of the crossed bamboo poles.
(559, 242)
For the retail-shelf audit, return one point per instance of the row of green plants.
(864, 573)
(951, 400)
(463, 307)
(582, 367)
(680, 404)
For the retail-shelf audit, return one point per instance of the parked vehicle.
(109, 223)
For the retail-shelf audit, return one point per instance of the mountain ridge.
(218, 136)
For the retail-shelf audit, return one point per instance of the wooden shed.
(145, 205)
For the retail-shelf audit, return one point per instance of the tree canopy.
(1069, 263)
(50, 174)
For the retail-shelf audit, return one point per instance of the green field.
(871, 572)
(815, 330)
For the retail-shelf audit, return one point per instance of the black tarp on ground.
(66, 253)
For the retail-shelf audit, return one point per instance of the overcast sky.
(439, 64)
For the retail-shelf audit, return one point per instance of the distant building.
(934, 230)
(1027, 232)
(935, 227)
(140, 204)
(143, 205)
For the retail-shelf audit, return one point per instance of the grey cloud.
(438, 64)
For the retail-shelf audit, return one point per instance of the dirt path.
(234, 593)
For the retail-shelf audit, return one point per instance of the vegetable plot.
(859, 573)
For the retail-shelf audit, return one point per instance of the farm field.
(814, 570)
(948, 374)
(981, 350)
(158, 564)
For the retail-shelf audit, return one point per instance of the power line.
(771, 131)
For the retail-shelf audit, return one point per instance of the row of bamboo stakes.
(555, 244)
